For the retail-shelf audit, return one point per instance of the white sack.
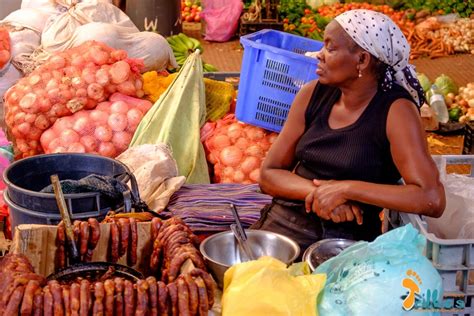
(29, 18)
(60, 29)
(24, 41)
(47, 6)
(156, 172)
(8, 77)
(53, 6)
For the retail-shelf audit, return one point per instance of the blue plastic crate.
(274, 69)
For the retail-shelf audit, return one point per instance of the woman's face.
(338, 58)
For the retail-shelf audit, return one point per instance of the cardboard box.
(37, 242)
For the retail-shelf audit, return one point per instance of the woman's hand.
(347, 213)
(330, 194)
(342, 210)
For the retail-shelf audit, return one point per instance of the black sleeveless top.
(360, 151)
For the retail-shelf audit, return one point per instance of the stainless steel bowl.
(325, 249)
(222, 250)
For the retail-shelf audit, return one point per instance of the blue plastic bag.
(389, 276)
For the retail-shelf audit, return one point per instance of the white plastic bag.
(156, 172)
(389, 276)
(459, 211)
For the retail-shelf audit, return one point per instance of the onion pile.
(107, 130)
(4, 47)
(79, 78)
(237, 151)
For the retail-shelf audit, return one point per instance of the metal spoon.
(240, 234)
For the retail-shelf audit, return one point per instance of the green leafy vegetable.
(446, 85)
(424, 81)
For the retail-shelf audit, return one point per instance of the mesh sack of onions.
(236, 150)
(106, 130)
(79, 78)
(4, 47)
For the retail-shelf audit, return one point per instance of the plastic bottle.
(438, 105)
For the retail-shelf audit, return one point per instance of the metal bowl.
(222, 250)
(324, 250)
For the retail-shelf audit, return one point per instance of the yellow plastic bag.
(266, 287)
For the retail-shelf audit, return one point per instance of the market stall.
(159, 156)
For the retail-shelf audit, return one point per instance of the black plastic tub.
(26, 177)
(21, 215)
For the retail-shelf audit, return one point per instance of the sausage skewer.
(129, 298)
(155, 256)
(109, 287)
(155, 227)
(132, 247)
(209, 282)
(85, 298)
(84, 226)
(57, 292)
(99, 293)
(183, 297)
(119, 287)
(75, 295)
(193, 294)
(162, 298)
(203, 299)
(142, 298)
(13, 306)
(124, 226)
(67, 299)
(153, 296)
(47, 301)
(38, 303)
(94, 237)
(60, 256)
(114, 242)
(28, 297)
(173, 295)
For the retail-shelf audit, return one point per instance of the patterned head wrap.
(380, 36)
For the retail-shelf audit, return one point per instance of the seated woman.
(350, 137)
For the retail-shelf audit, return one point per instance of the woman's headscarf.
(381, 37)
